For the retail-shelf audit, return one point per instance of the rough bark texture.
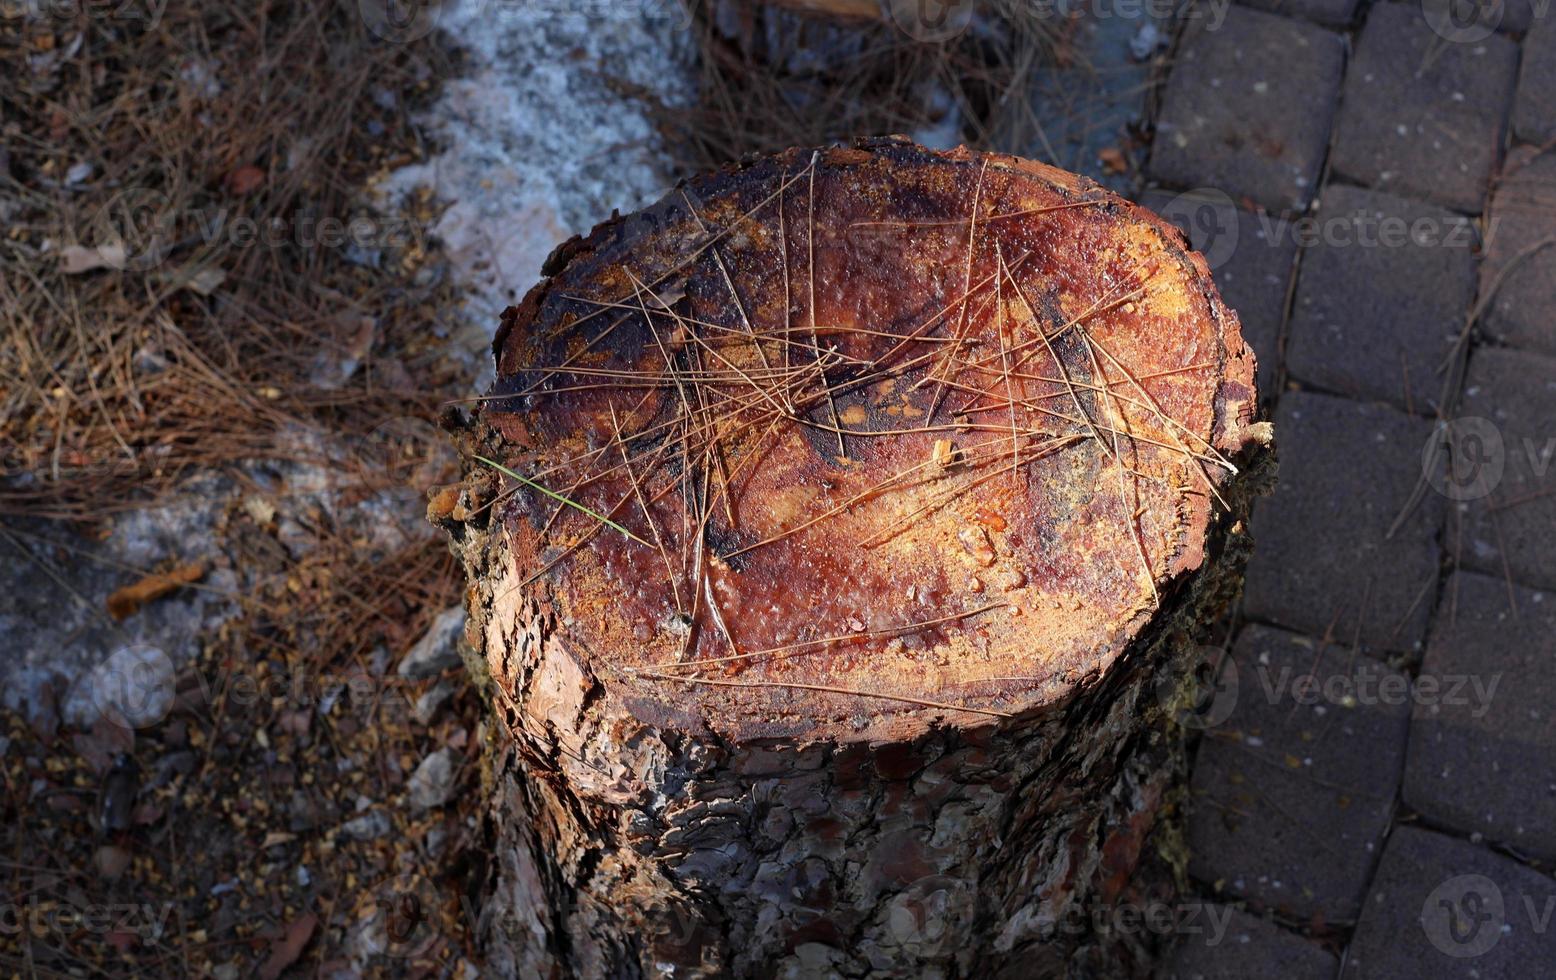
(941, 461)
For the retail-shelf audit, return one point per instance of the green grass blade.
(556, 496)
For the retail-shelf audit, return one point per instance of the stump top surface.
(886, 438)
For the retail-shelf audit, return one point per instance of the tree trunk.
(897, 486)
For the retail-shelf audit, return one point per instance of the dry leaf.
(288, 947)
(127, 601)
(197, 280)
(245, 180)
(257, 507)
(111, 861)
(76, 259)
(205, 281)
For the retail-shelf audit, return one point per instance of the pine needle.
(558, 497)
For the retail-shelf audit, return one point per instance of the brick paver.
(1323, 556)
(1233, 945)
(1519, 15)
(1425, 115)
(1247, 108)
(1285, 811)
(1534, 110)
(1251, 254)
(1482, 755)
(1330, 13)
(1515, 389)
(1381, 297)
(1441, 907)
(1421, 116)
(1519, 273)
(1510, 531)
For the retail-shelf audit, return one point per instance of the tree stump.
(832, 528)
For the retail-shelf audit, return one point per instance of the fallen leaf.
(257, 507)
(286, 949)
(122, 940)
(244, 180)
(102, 744)
(203, 281)
(76, 259)
(1113, 160)
(276, 838)
(111, 861)
(125, 602)
(148, 813)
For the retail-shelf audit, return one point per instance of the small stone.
(438, 650)
(975, 540)
(369, 826)
(428, 704)
(111, 861)
(432, 783)
(1146, 41)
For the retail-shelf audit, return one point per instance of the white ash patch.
(67, 659)
(539, 146)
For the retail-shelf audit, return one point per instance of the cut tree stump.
(834, 528)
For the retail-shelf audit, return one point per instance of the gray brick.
(1251, 255)
(1234, 945)
(1293, 793)
(1330, 13)
(1421, 116)
(1443, 908)
(1381, 297)
(1518, 15)
(1512, 531)
(1482, 752)
(1323, 556)
(1522, 283)
(1514, 389)
(1248, 108)
(1534, 110)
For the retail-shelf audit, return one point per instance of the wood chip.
(126, 602)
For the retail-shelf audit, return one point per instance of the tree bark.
(898, 486)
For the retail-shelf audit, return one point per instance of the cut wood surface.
(831, 526)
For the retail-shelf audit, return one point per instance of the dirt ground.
(224, 356)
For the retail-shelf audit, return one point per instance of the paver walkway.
(1375, 791)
